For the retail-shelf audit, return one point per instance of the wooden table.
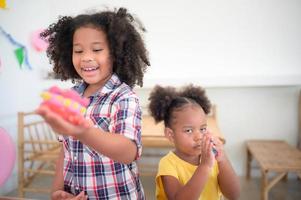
(272, 156)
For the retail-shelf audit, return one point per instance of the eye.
(203, 130)
(188, 130)
(78, 51)
(97, 50)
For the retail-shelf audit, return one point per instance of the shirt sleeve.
(127, 121)
(166, 168)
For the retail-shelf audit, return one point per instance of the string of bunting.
(21, 52)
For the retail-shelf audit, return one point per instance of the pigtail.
(198, 94)
(160, 100)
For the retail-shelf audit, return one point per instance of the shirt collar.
(109, 86)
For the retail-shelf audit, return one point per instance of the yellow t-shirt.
(172, 165)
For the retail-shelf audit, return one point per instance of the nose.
(87, 57)
(197, 136)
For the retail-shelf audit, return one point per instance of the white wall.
(246, 53)
(255, 113)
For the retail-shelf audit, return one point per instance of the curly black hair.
(165, 100)
(127, 48)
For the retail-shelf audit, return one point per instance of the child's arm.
(194, 187)
(114, 146)
(227, 179)
(192, 190)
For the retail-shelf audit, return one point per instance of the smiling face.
(91, 56)
(188, 125)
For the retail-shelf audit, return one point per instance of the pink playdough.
(67, 103)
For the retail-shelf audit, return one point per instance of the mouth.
(89, 68)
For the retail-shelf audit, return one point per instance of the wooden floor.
(289, 190)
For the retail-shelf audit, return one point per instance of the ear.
(169, 134)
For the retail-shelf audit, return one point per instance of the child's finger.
(57, 194)
(41, 110)
(86, 123)
(211, 145)
(66, 195)
(216, 140)
(207, 144)
(80, 196)
(61, 195)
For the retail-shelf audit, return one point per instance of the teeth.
(89, 68)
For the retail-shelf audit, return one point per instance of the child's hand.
(66, 103)
(207, 156)
(62, 126)
(62, 195)
(218, 146)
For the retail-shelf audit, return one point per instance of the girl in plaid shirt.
(105, 53)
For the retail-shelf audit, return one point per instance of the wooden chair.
(38, 150)
(153, 137)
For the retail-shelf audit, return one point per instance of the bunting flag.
(2, 4)
(20, 52)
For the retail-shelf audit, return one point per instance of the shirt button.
(75, 158)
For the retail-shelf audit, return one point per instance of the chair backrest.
(38, 150)
(35, 136)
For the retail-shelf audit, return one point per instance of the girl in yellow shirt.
(198, 167)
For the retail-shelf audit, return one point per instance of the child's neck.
(194, 160)
(90, 90)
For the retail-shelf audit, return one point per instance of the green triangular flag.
(19, 52)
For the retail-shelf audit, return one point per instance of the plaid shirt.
(115, 108)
